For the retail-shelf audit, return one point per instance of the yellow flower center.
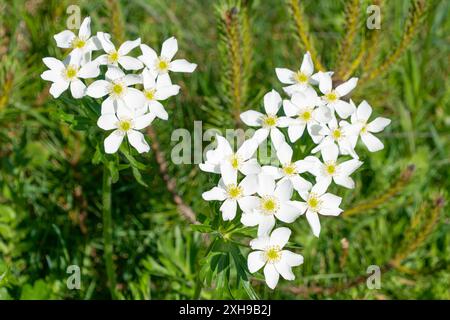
(289, 169)
(71, 72)
(305, 115)
(113, 57)
(331, 97)
(336, 134)
(364, 128)
(300, 77)
(235, 161)
(78, 43)
(313, 202)
(124, 125)
(330, 168)
(269, 121)
(234, 191)
(162, 65)
(273, 254)
(117, 89)
(269, 205)
(149, 94)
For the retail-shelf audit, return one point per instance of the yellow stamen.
(235, 161)
(305, 115)
(71, 72)
(289, 169)
(117, 89)
(162, 65)
(149, 94)
(313, 202)
(269, 121)
(273, 254)
(78, 43)
(269, 205)
(300, 77)
(124, 125)
(234, 191)
(113, 57)
(331, 169)
(331, 97)
(336, 134)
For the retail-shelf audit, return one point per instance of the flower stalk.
(107, 231)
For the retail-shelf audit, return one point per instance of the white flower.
(269, 253)
(273, 201)
(126, 123)
(300, 80)
(83, 43)
(308, 111)
(154, 92)
(116, 86)
(330, 169)
(332, 97)
(118, 57)
(223, 154)
(268, 122)
(162, 64)
(360, 118)
(345, 136)
(318, 202)
(289, 170)
(67, 73)
(232, 193)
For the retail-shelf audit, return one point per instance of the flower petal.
(271, 274)
(169, 48)
(284, 270)
(260, 243)
(77, 88)
(85, 28)
(372, 143)
(295, 131)
(363, 111)
(57, 88)
(107, 121)
(285, 75)
(255, 261)
(307, 66)
(157, 109)
(272, 102)
(182, 65)
(53, 64)
(89, 70)
(167, 91)
(105, 40)
(130, 63)
(247, 149)
(143, 121)
(291, 259)
(249, 184)
(215, 193)
(284, 153)
(330, 152)
(314, 222)
(148, 56)
(343, 109)
(248, 204)
(127, 46)
(283, 190)
(64, 39)
(280, 236)
(228, 209)
(113, 141)
(275, 172)
(137, 140)
(344, 88)
(287, 213)
(251, 118)
(378, 124)
(266, 185)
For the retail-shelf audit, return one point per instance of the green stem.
(107, 232)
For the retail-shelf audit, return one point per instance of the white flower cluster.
(126, 109)
(264, 193)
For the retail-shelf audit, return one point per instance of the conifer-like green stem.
(107, 232)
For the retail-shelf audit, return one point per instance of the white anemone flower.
(113, 57)
(297, 80)
(82, 43)
(127, 122)
(332, 97)
(155, 92)
(162, 64)
(289, 170)
(344, 135)
(330, 169)
(232, 193)
(117, 87)
(269, 123)
(360, 118)
(305, 110)
(269, 254)
(318, 201)
(68, 73)
(242, 160)
(274, 201)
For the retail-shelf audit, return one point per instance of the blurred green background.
(50, 191)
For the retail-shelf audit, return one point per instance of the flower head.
(269, 254)
(113, 57)
(162, 64)
(360, 119)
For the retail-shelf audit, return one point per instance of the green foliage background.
(50, 189)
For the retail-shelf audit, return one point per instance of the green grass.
(50, 189)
